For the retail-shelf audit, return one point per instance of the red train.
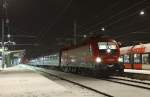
(136, 57)
(98, 55)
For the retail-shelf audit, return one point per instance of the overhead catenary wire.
(107, 8)
(12, 29)
(117, 21)
(110, 18)
(23, 35)
(120, 19)
(119, 12)
(135, 31)
(139, 28)
(42, 33)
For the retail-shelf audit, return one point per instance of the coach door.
(137, 61)
(146, 61)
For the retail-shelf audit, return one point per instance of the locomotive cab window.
(106, 45)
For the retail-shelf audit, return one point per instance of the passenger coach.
(136, 57)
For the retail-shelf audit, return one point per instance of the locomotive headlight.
(108, 50)
(120, 59)
(98, 60)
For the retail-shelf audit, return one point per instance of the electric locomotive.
(98, 55)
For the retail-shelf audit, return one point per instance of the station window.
(145, 58)
(126, 59)
(137, 58)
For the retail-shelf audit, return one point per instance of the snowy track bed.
(111, 87)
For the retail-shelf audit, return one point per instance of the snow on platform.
(20, 82)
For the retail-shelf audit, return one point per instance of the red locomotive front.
(106, 52)
(96, 54)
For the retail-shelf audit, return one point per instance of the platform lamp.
(142, 12)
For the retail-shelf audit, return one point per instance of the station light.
(142, 12)
(103, 29)
(84, 36)
(7, 21)
(8, 35)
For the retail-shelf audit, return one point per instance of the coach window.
(137, 58)
(51, 57)
(126, 59)
(145, 58)
(55, 57)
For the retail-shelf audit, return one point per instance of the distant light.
(84, 36)
(103, 29)
(142, 12)
(8, 35)
(7, 21)
(13, 43)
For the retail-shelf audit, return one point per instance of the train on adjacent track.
(136, 57)
(98, 55)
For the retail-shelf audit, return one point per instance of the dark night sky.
(48, 24)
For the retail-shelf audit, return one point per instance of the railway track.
(130, 80)
(75, 83)
(133, 83)
(125, 82)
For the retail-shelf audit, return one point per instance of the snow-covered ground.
(21, 81)
(111, 88)
(137, 71)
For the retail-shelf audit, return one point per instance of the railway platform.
(137, 71)
(29, 81)
(111, 87)
(20, 81)
(139, 74)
